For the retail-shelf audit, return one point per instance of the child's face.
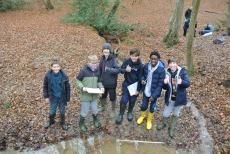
(154, 60)
(106, 52)
(55, 68)
(94, 64)
(173, 66)
(134, 58)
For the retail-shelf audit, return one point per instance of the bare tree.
(189, 37)
(172, 36)
(228, 18)
(113, 11)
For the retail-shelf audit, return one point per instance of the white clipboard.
(94, 91)
(132, 88)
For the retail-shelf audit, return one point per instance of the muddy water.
(104, 145)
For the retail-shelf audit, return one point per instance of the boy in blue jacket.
(175, 84)
(56, 91)
(152, 80)
(132, 69)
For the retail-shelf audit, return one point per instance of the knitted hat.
(107, 46)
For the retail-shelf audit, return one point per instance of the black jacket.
(136, 73)
(47, 92)
(109, 70)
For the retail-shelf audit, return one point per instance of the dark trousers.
(54, 103)
(185, 28)
(126, 98)
(111, 92)
(145, 104)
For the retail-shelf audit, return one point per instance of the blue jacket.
(181, 97)
(157, 80)
(47, 92)
(135, 74)
(109, 70)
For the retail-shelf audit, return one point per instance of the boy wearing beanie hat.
(109, 70)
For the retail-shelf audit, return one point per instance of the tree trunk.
(113, 11)
(48, 5)
(190, 36)
(228, 18)
(172, 36)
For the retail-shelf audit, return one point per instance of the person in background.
(208, 29)
(187, 15)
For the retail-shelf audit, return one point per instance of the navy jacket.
(47, 92)
(109, 70)
(134, 75)
(157, 80)
(181, 97)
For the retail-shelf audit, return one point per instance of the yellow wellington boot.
(141, 118)
(149, 120)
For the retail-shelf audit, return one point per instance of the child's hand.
(106, 68)
(143, 82)
(179, 81)
(166, 80)
(103, 90)
(47, 100)
(128, 68)
(84, 89)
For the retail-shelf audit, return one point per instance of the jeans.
(85, 106)
(171, 108)
(145, 104)
(54, 103)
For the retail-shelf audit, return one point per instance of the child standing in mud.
(88, 77)
(132, 69)
(56, 91)
(175, 84)
(152, 81)
(109, 70)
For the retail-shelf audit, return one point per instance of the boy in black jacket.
(109, 70)
(132, 69)
(56, 91)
